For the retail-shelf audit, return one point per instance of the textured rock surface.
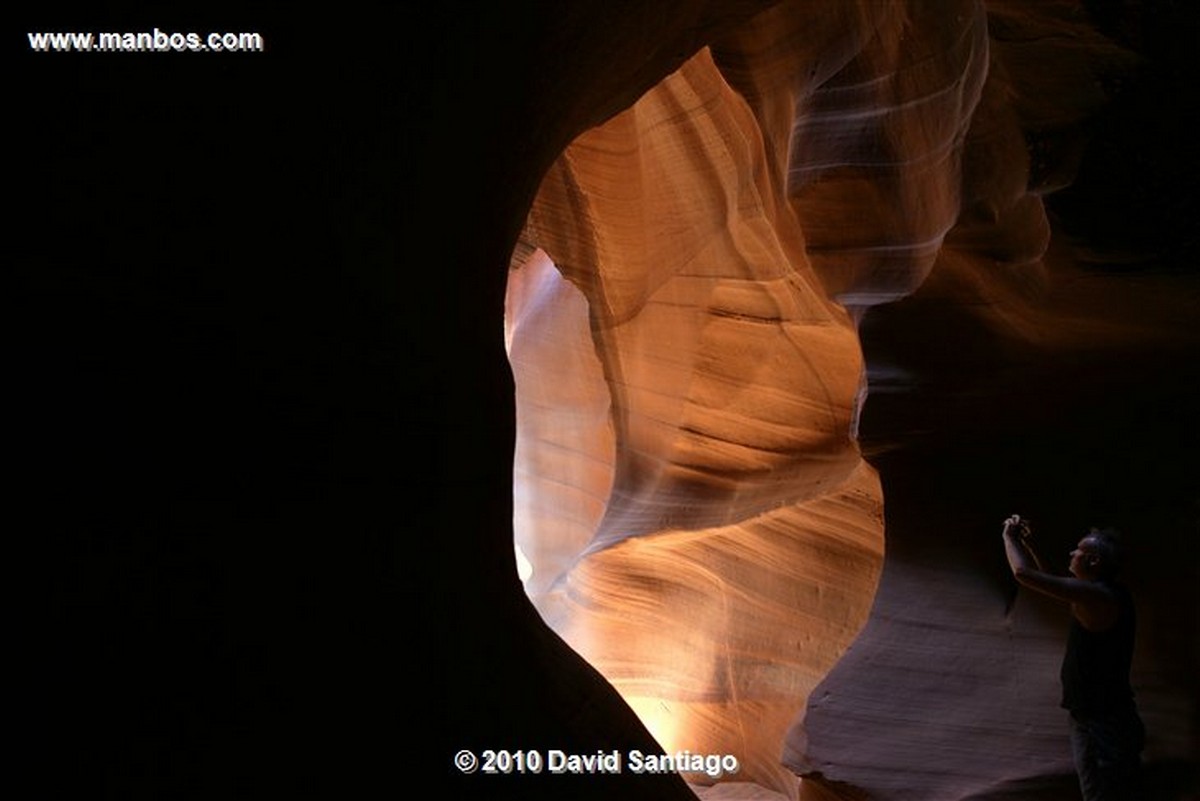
(268, 422)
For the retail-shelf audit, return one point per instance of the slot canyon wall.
(747, 322)
(668, 360)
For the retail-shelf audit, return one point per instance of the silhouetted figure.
(1107, 735)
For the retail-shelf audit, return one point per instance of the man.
(1107, 735)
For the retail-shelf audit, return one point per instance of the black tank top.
(1095, 669)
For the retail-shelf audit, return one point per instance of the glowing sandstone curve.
(686, 395)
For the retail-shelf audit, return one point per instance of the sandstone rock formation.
(682, 323)
(745, 320)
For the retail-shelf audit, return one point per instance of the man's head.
(1098, 555)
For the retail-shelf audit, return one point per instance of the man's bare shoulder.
(1098, 608)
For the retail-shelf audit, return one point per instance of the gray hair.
(1109, 548)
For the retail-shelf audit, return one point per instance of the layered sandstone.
(693, 509)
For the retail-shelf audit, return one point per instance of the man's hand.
(1015, 524)
(1018, 544)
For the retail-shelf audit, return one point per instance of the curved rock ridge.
(715, 637)
(867, 118)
